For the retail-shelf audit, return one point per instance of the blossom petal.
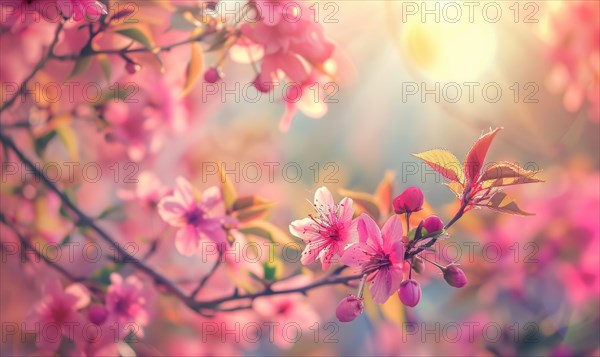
(383, 285)
(187, 240)
(211, 196)
(304, 229)
(356, 256)
(184, 192)
(312, 251)
(391, 231)
(347, 209)
(368, 231)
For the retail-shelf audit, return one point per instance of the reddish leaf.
(505, 174)
(443, 162)
(477, 154)
(502, 203)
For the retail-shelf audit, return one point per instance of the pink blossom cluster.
(74, 311)
(377, 253)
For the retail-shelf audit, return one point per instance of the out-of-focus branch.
(25, 242)
(198, 306)
(36, 69)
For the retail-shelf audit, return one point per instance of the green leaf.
(106, 68)
(269, 271)
(137, 35)
(43, 141)
(81, 65)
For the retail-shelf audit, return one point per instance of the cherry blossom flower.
(126, 304)
(149, 190)
(379, 253)
(293, 46)
(327, 234)
(196, 219)
(59, 309)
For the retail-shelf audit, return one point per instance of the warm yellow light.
(446, 50)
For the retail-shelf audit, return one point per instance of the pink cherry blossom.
(149, 190)
(59, 310)
(379, 253)
(327, 234)
(126, 304)
(196, 219)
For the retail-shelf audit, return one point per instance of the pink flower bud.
(433, 224)
(411, 200)
(97, 314)
(212, 75)
(261, 86)
(418, 265)
(410, 292)
(349, 308)
(132, 67)
(454, 276)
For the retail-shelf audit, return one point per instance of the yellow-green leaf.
(444, 162)
(80, 66)
(137, 35)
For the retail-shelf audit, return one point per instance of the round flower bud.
(132, 67)
(454, 276)
(212, 75)
(410, 292)
(97, 314)
(261, 86)
(433, 224)
(349, 308)
(411, 200)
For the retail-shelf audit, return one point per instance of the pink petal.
(172, 211)
(312, 251)
(369, 232)
(187, 241)
(391, 231)
(397, 252)
(347, 209)
(323, 198)
(385, 283)
(327, 256)
(81, 294)
(184, 192)
(356, 256)
(212, 197)
(304, 229)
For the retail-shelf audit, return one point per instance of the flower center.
(195, 217)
